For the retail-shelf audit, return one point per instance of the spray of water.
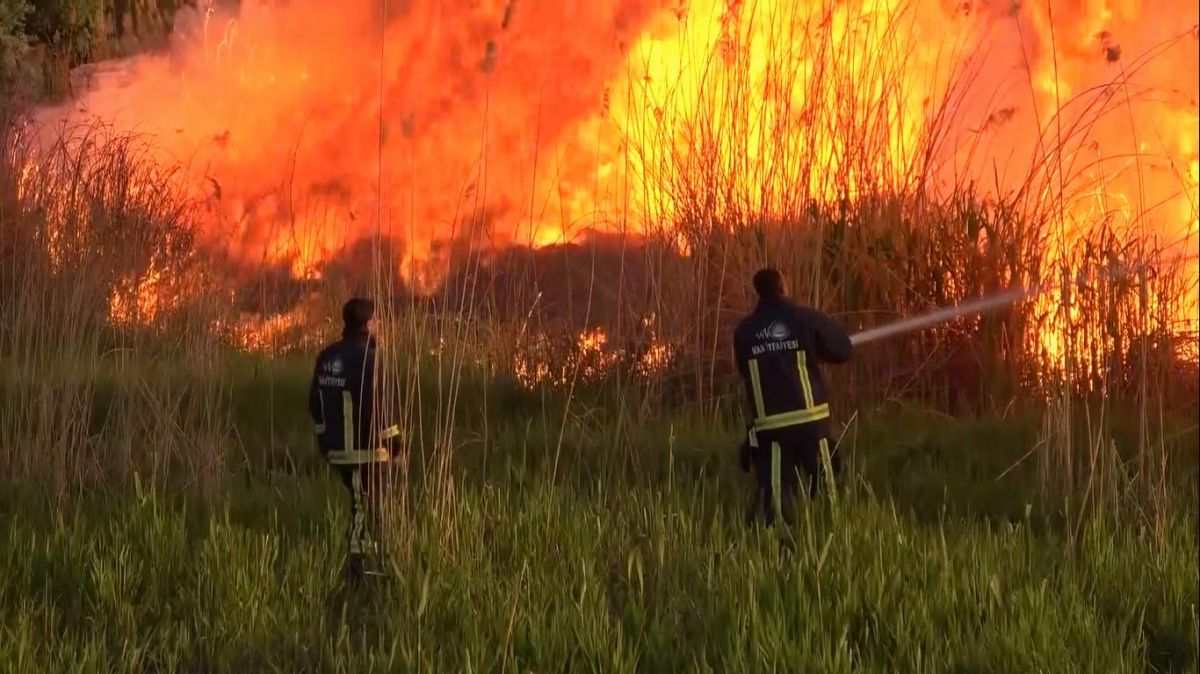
(980, 306)
(941, 316)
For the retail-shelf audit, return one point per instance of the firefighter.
(778, 348)
(341, 401)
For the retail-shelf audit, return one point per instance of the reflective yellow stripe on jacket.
(319, 427)
(794, 418)
(765, 422)
(802, 365)
(357, 457)
(348, 437)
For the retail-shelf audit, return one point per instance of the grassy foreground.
(924, 562)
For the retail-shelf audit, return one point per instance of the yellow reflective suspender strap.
(826, 459)
(347, 421)
(356, 519)
(776, 480)
(802, 364)
(358, 516)
(319, 427)
(357, 457)
(794, 418)
(811, 413)
(756, 385)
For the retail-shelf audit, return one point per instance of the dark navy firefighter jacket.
(778, 348)
(341, 400)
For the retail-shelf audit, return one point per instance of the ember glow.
(311, 125)
(590, 357)
(136, 301)
(273, 333)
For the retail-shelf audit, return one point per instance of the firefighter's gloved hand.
(746, 451)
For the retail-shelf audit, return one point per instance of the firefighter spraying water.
(777, 348)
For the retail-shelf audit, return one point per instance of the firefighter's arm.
(315, 412)
(746, 451)
(739, 356)
(386, 402)
(832, 340)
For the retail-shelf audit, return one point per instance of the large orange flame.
(316, 124)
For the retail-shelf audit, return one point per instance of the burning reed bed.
(568, 499)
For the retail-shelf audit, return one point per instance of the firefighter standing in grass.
(341, 401)
(778, 348)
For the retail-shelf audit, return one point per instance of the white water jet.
(984, 304)
(941, 316)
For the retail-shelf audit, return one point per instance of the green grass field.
(630, 555)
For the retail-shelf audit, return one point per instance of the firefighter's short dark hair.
(768, 283)
(358, 312)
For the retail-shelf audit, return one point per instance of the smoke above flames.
(310, 125)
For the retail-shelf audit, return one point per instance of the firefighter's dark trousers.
(783, 461)
(366, 485)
